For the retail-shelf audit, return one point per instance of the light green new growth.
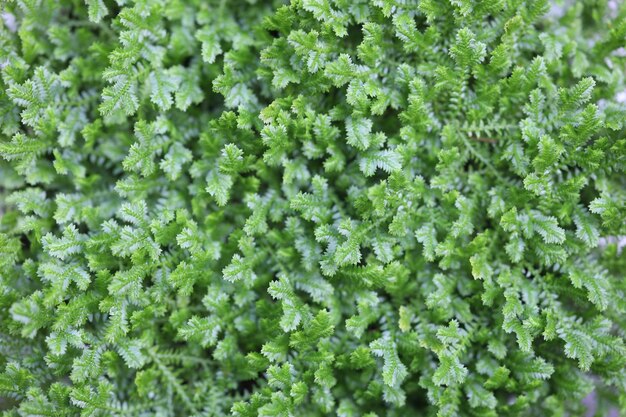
(312, 208)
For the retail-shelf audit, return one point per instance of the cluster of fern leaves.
(283, 208)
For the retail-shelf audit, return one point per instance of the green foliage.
(312, 207)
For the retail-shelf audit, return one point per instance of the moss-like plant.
(312, 208)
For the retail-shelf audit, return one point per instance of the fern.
(312, 208)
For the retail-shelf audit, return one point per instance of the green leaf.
(498, 379)
(188, 91)
(359, 132)
(210, 44)
(450, 372)
(394, 371)
(131, 352)
(70, 243)
(427, 236)
(348, 253)
(596, 284)
(239, 269)
(548, 228)
(97, 10)
(467, 51)
(218, 186)
(387, 160)
(480, 267)
(586, 230)
(529, 369)
(340, 71)
(480, 397)
(578, 345)
(205, 330)
(578, 95)
(162, 85)
(120, 97)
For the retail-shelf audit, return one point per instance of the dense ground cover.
(312, 208)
